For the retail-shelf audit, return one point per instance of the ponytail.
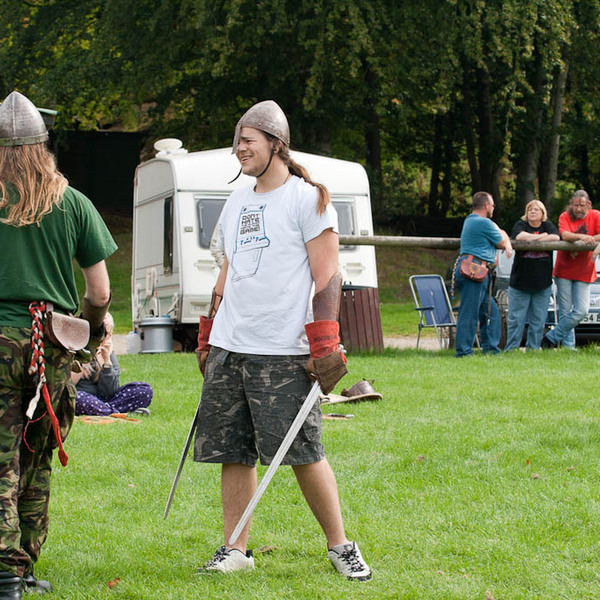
(295, 169)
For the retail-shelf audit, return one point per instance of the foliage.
(449, 96)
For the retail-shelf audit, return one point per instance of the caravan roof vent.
(169, 146)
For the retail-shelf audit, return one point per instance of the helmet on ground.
(20, 122)
(266, 116)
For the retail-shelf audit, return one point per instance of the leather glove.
(203, 346)
(327, 364)
(94, 315)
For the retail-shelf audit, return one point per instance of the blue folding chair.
(433, 305)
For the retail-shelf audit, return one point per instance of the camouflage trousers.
(248, 403)
(25, 462)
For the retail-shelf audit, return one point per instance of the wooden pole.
(405, 241)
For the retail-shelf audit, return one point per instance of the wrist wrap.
(323, 337)
(204, 330)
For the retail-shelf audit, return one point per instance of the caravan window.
(345, 220)
(209, 210)
(168, 235)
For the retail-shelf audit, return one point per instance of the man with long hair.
(574, 272)
(44, 225)
(280, 239)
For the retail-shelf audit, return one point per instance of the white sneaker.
(348, 561)
(227, 560)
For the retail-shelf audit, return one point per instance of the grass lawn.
(472, 479)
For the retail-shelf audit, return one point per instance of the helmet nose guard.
(20, 122)
(265, 116)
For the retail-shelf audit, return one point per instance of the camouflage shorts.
(248, 403)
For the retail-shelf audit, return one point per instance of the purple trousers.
(126, 399)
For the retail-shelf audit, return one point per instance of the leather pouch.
(472, 270)
(67, 332)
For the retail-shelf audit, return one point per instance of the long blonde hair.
(30, 172)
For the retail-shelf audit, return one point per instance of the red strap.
(323, 336)
(204, 333)
(38, 310)
(62, 455)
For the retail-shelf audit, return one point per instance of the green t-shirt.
(37, 261)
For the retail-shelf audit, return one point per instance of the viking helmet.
(266, 116)
(20, 122)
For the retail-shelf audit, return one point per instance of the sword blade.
(184, 454)
(290, 436)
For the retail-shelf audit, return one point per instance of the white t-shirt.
(268, 287)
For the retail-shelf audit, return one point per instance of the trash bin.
(156, 334)
(360, 321)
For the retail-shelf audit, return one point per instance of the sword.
(183, 457)
(290, 436)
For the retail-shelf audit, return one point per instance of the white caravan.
(178, 197)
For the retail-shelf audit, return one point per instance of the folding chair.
(433, 304)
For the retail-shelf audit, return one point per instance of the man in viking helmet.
(44, 225)
(264, 337)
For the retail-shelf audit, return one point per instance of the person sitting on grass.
(98, 389)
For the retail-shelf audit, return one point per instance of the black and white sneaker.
(227, 560)
(348, 561)
(547, 343)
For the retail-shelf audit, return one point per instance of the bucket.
(156, 334)
(134, 343)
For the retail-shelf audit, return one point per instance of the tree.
(438, 98)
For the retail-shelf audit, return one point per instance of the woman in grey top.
(99, 391)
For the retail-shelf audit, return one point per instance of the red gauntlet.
(326, 362)
(203, 346)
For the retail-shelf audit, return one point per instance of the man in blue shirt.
(480, 237)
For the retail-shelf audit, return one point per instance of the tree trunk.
(530, 134)
(548, 184)
(526, 174)
(467, 114)
(373, 139)
(436, 167)
(446, 197)
(581, 153)
(490, 144)
(373, 158)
